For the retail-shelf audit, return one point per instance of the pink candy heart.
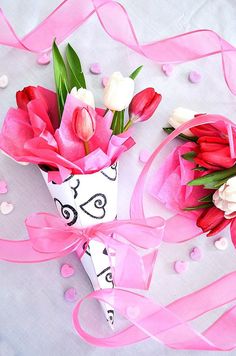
(3, 187)
(70, 295)
(195, 254)
(167, 69)
(105, 81)
(95, 68)
(44, 59)
(133, 311)
(144, 155)
(180, 266)
(67, 271)
(194, 77)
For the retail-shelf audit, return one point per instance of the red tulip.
(144, 104)
(83, 123)
(212, 220)
(23, 97)
(214, 153)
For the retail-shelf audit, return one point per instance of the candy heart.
(95, 68)
(3, 81)
(3, 187)
(105, 81)
(167, 69)
(221, 244)
(70, 295)
(133, 311)
(194, 77)
(6, 208)
(44, 59)
(67, 271)
(144, 155)
(180, 266)
(195, 254)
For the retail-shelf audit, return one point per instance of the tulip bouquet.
(77, 146)
(198, 179)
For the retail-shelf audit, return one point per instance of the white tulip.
(225, 198)
(118, 92)
(84, 95)
(180, 116)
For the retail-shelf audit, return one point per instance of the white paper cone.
(85, 200)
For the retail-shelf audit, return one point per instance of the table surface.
(34, 318)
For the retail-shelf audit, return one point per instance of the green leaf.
(136, 72)
(214, 178)
(77, 78)
(183, 137)
(197, 207)
(200, 169)
(60, 76)
(206, 198)
(189, 156)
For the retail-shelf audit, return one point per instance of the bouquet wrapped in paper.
(77, 147)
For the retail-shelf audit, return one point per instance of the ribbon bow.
(50, 237)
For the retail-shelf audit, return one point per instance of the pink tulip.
(84, 124)
(144, 104)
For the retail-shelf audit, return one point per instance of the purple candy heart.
(195, 254)
(194, 77)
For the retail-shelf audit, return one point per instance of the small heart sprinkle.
(70, 295)
(67, 271)
(180, 266)
(3, 187)
(3, 81)
(133, 311)
(105, 81)
(6, 208)
(195, 254)
(167, 69)
(144, 155)
(194, 77)
(95, 68)
(44, 59)
(221, 244)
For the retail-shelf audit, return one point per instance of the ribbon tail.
(22, 252)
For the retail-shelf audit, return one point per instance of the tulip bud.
(83, 123)
(118, 92)
(23, 97)
(180, 116)
(84, 95)
(225, 198)
(143, 105)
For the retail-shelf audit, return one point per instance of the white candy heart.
(6, 208)
(221, 244)
(3, 81)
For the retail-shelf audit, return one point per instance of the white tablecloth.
(34, 318)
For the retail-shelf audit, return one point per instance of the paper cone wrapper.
(85, 200)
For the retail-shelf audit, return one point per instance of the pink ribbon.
(71, 14)
(50, 237)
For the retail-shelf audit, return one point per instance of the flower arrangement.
(77, 147)
(200, 174)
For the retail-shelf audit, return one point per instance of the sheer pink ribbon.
(50, 237)
(71, 14)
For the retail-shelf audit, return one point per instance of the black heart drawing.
(110, 316)
(68, 212)
(75, 188)
(107, 275)
(95, 206)
(112, 175)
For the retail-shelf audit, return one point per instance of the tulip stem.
(86, 147)
(128, 124)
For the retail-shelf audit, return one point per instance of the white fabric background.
(34, 318)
